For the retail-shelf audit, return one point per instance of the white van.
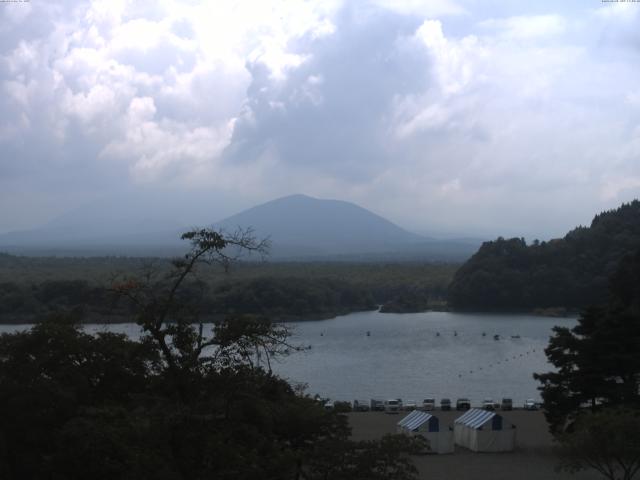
(392, 406)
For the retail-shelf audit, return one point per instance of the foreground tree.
(607, 441)
(178, 404)
(597, 362)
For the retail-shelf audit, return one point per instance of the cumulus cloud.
(440, 115)
(126, 92)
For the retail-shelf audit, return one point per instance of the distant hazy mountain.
(302, 224)
(299, 227)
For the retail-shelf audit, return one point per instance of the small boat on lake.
(496, 337)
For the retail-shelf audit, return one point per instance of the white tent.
(484, 431)
(427, 426)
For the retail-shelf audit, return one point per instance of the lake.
(403, 355)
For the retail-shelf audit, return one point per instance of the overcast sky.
(473, 117)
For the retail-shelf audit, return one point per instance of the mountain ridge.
(300, 228)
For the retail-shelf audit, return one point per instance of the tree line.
(571, 272)
(283, 292)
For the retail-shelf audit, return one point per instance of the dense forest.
(564, 274)
(33, 287)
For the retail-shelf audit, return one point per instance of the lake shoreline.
(105, 319)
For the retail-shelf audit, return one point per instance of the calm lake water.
(405, 357)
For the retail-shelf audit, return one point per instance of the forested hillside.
(570, 273)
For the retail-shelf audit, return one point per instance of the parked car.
(488, 404)
(463, 404)
(392, 406)
(530, 404)
(377, 405)
(429, 404)
(445, 404)
(361, 406)
(507, 404)
(410, 405)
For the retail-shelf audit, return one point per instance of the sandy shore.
(533, 458)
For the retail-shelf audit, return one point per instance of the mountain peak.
(321, 226)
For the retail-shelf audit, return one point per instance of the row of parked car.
(395, 405)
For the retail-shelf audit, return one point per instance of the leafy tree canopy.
(597, 362)
(571, 272)
(607, 441)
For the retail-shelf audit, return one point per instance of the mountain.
(301, 224)
(571, 272)
(299, 227)
(304, 228)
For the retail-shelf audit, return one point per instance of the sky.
(448, 117)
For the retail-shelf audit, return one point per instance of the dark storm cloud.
(332, 112)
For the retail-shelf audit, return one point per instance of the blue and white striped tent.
(428, 427)
(417, 419)
(484, 431)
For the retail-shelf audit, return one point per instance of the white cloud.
(430, 8)
(110, 64)
(453, 61)
(86, 106)
(526, 26)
